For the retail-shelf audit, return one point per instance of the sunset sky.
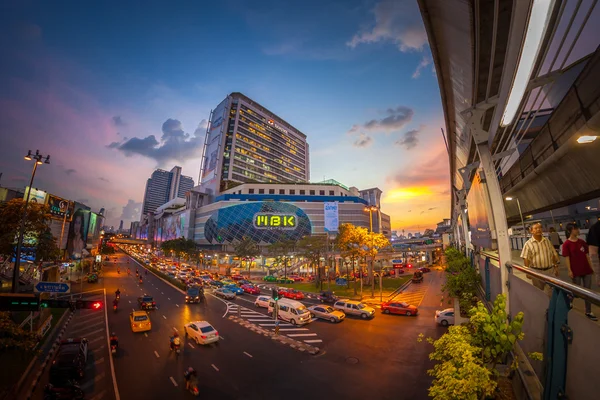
(85, 78)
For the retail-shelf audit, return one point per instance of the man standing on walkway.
(593, 240)
(539, 254)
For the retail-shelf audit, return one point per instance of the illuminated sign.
(280, 221)
(58, 207)
(279, 128)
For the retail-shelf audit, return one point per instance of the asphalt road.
(375, 359)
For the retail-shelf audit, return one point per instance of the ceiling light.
(586, 139)
(509, 198)
(536, 28)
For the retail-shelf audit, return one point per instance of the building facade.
(245, 142)
(164, 186)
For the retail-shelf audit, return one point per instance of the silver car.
(326, 312)
(225, 293)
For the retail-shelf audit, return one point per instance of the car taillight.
(216, 333)
(203, 336)
(135, 325)
(153, 303)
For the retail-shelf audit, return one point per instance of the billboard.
(332, 219)
(173, 227)
(36, 195)
(78, 229)
(212, 149)
(59, 206)
(481, 224)
(91, 227)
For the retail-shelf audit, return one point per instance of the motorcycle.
(118, 271)
(71, 391)
(141, 281)
(118, 297)
(193, 388)
(176, 348)
(113, 349)
(115, 307)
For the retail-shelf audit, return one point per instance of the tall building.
(245, 142)
(164, 186)
(121, 225)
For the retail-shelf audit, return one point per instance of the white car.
(202, 332)
(445, 317)
(224, 293)
(262, 301)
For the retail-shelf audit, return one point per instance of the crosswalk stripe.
(261, 320)
(275, 324)
(293, 329)
(302, 334)
(313, 341)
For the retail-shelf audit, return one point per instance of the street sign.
(52, 287)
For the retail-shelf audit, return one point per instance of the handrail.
(577, 291)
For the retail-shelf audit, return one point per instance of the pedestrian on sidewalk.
(555, 239)
(593, 241)
(539, 254)
(578, 261)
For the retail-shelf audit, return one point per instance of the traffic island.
(294, 344)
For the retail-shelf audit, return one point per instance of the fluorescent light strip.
(536, 28)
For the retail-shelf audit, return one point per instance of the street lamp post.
(520, 213)
(38, 160)
(370, 209)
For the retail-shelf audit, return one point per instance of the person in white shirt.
(539, 254)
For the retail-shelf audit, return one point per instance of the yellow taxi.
(140, 321)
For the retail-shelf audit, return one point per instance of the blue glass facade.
(229, 224)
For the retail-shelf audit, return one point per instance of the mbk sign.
(280, 221)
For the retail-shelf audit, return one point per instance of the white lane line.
(100, 360)
(129, 301)
(191, 345)
(156, 354)
(168, 298)
(275, 325)
(293, 329)
(133, 309)
(162, 292)
(164, 316)
(177, 305)
(260, 320)
(146, 334)
(313, 341)
(215, 367)
(249, 355)
(222, 338)
(173, 381)
(302, 334)
(175, 329)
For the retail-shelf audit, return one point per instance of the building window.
(281, 191)
(271, 191)
(321, 193)
(312, 192)
(331, 193)
(292, 191)
(261, 191)
(303, 192)
(251, 191)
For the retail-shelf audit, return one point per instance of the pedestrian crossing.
(266, 322)
(414, 294)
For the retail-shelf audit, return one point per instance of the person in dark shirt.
(593, 240)
(576, 255)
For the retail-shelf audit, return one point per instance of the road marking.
(162, 292)
(293, 329)
(260, 320)
(215, 367)
(313, 341)
(156, 354)
(164, 316)
(222, 338)
(191, 345)
(92, 381)
(177, 305)
(168, 298)
(133, 309)
(95, 339)
(275, 325)
(175, 329)
(146, 334)
(249, 355)
(98, 361)
(302, 334)
(173, 381)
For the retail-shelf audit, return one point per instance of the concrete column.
(465, 227)
(496, 203)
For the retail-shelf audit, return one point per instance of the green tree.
(461, 280)
(14, 338)
(11, 213)
(375, 242)
(46, 249)
(313, 247)
(246, 249)
(351, 241)
(282, 251)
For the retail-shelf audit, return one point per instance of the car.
(296, 278)
(242, 282)
(398, 307)
(227, 281)
(250, 289)
(215, 284)
(234, 288)
(291, 293)
(356, 308)
(417, 277)
(445, 317)
(270, 278)
(285, 280)
(225, 293)
(262, 301)
(425, 269)
(326, 312)
(237, 277)
(92, 278)
(140, 321)
(146, 302)
(70, 360)
(201, 332)
(327, 297)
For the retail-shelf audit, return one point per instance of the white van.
(290, 310)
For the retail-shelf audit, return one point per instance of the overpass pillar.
(498, 213)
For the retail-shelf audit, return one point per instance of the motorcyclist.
(128, 271)
(117, 294)
(115, 303)
(175, 340)
(202, 297)
(118, 270)
(114, 340)
(190, 376)
(141, 281)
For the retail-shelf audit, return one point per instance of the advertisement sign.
(480, 226)
(332, 220)
(78, 229)
(279, 221)
(172, 227)
(91, 226)
(36, 196)
(212, 153)
(59, 206)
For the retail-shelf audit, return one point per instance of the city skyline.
(110, 107)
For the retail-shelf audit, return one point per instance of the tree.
(461, 279)
(46, 249)
(11, 213)
(374, 243)
(313, 247)
(281, 250)
(14, 338)
(428, 233)
(246, 249)
(351, 241)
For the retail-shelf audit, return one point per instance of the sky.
(112, 90)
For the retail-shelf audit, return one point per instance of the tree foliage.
(107, 250)
(46, 248)
(12, 337)
(282, 251)
(461, 279)
(246, 249)
(313, 247)
(11, 213)
(180, 247)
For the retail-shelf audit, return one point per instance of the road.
(379, 358)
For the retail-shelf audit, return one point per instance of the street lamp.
(370, 210)
(520, 213)
(39, 160)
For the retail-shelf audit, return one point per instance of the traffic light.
(51, 303)
(275, 293)
(89, 304)
(19, 302)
